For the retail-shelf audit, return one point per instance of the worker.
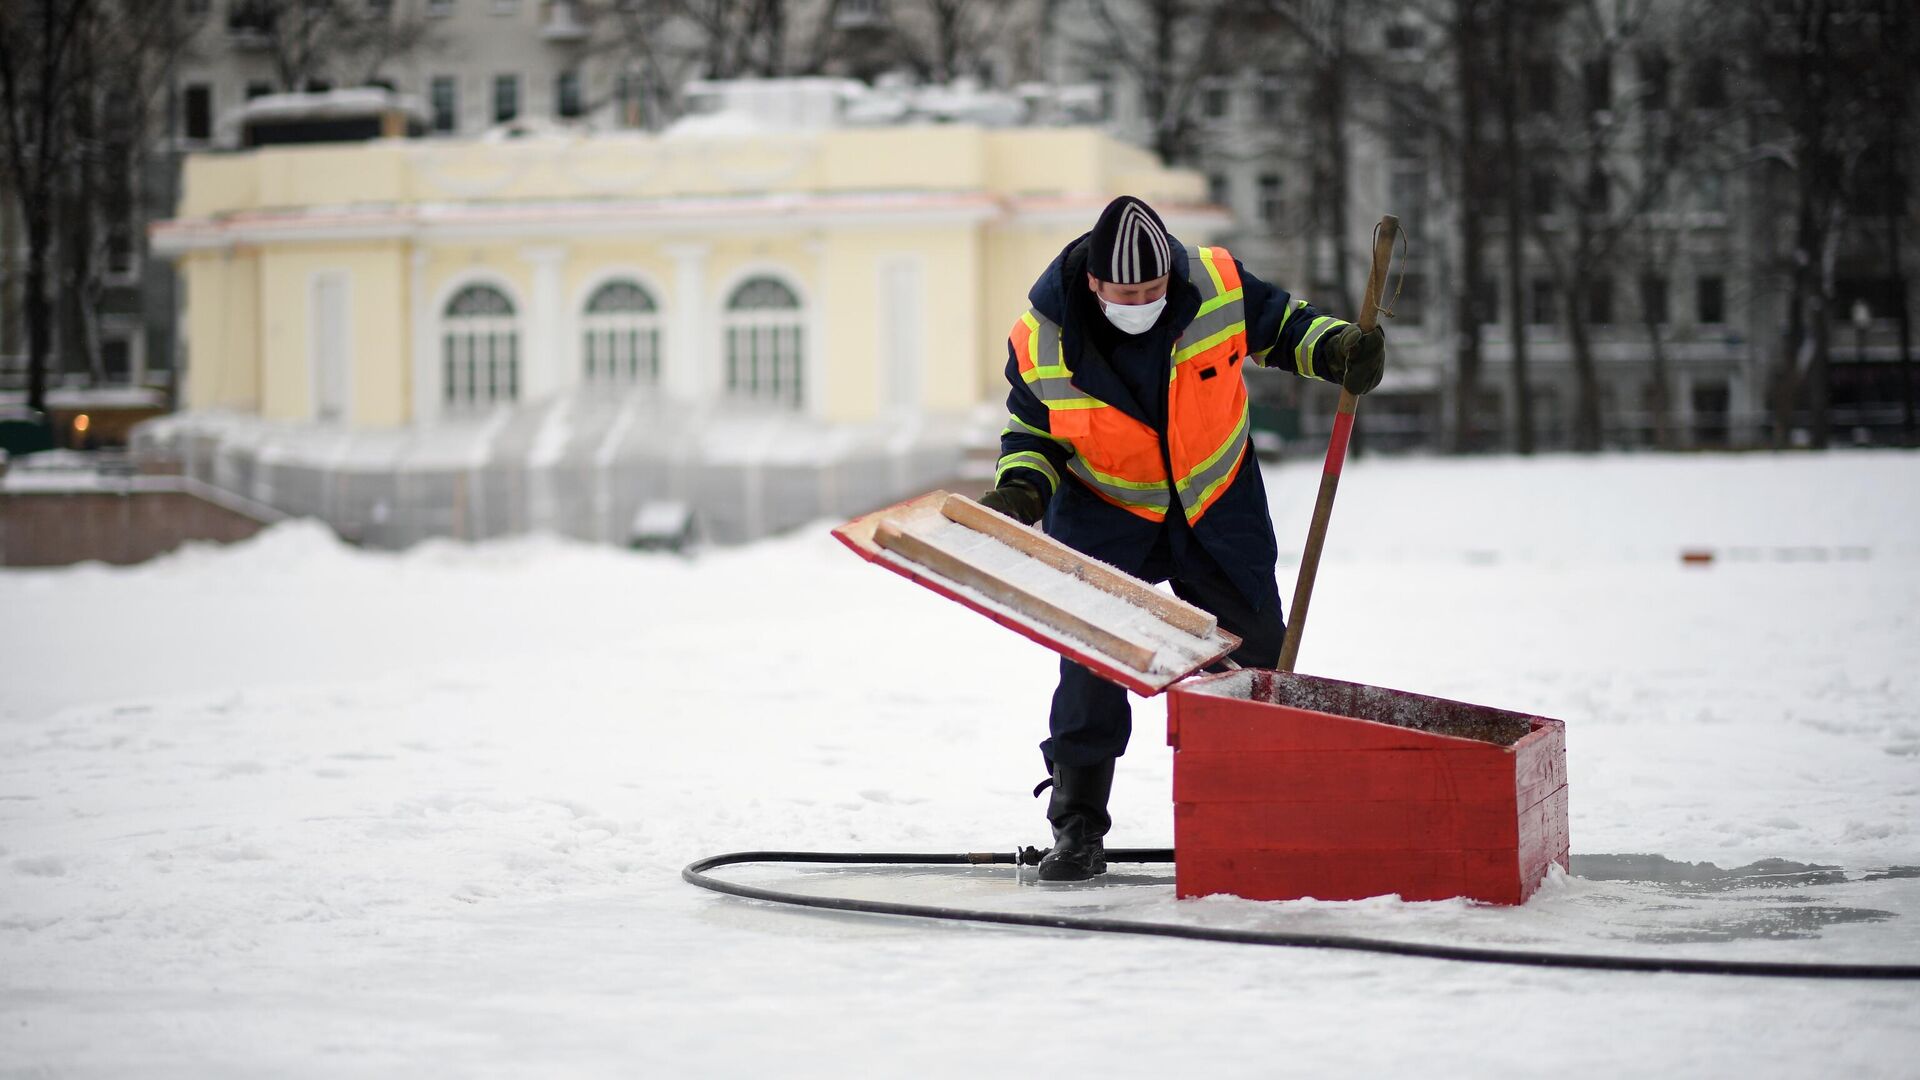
(1128, 441)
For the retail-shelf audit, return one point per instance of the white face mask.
(1134, 318)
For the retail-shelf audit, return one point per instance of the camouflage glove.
(1017, 499)
(1359, 359)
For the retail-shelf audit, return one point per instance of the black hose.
(696, 874)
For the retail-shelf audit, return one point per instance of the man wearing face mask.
(1128, 434)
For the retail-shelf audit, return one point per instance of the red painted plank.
(1333, 775)
(1543, 829)
(1343, 826)
(1270, 875)
(1540, 763)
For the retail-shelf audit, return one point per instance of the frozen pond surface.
(296, 809)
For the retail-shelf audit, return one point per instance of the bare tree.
(313, 41)
(1815, 125)
(40, 47)
(941, 40)
(1171, 47)
(1607, 163)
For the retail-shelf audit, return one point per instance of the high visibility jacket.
(1102, 458)
(1207, 419)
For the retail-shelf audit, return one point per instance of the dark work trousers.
(1092, 720)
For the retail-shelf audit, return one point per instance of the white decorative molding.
(543, 348)
(691, 376)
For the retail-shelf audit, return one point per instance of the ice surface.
(292, 808)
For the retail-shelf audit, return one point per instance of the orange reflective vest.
(1119, 457)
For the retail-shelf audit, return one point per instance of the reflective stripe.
(1293, 308)
(1213, 327)
(1303, 352)
(1147, 496)
(1016, 425)
(1199, 487)
(1027, 459)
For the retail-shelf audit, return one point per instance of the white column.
(544, 349)
(426, 390)
(689, 373)
(818, 302)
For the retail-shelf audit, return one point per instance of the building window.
(853, 14)
(1409, 302)
(479, 348)
(1710, 86)
(1407, 193)
(1546, 303)
(1214, 99)
(1219, 189)
(1598, 77)
(445, 95)
(1600, 301)
(1486, 302)
(1711, 301)
(1540, 86)
(1271, 204)
(123, 254)
(1653, 299)
(566, 94)
(198, 7)
(439, 9)
(1656, 80)
(1597, 192)
(621, 345)
(258, 89)
(196, 107)
(506, 7)
(506, 98)
(1402, 36)
(1272, 97)
(766, 331)
(1545, 187)
(116, 359)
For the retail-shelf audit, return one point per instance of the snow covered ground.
(294, 809)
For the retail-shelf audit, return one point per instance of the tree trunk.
(1471, 162)
(35, 307)
(1661, 405)
(1511, 179)
(1586, 384)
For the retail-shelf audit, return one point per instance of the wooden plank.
(1488, 875)
(1540, 763)
(938, 559)
(1343, 826)
(1170, 609)
(1336, 775)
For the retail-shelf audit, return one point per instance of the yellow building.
(350, 306)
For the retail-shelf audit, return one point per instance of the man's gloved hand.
(1016, 499)
(1359, 359)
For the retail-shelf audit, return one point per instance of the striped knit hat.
(1129, 244)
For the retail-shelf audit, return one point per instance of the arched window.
(479, 348)
(765, 331)
(622, 336)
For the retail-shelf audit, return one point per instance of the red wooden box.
(1288, 786)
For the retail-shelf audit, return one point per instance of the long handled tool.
(1383, 238)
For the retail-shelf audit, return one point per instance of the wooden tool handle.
(1336, 450)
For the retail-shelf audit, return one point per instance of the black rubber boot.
(1078, 811)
